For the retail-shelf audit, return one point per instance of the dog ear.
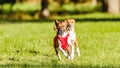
(73, 20)
(55, 28)
(56, 21)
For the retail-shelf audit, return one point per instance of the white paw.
(69, 57)
(78, 51)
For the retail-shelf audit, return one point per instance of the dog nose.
(59, 29)
(68, 25)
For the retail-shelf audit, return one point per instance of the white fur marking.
(78, 51)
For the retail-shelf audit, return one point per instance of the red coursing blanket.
(63, 40)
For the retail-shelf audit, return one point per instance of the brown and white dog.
(71, 31)
(62, 41)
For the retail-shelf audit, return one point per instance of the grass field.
(31, 45)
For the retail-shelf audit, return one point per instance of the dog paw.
(78, 52)
(69, 57)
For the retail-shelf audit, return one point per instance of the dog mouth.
(69, 27)
(60, 31)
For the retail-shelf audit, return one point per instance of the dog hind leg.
(72, 52)
(78, 51)
(77, 48)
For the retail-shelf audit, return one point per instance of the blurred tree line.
(35, 9)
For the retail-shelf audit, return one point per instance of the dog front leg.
(71, 48)
(64, 53)
(77, 48)
(59, 57)
(57, 52)
(72, 52)
(69, 52)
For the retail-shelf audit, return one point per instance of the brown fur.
(64, 26)
(72, 22)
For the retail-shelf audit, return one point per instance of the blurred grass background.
(32, 9)
(53, 7)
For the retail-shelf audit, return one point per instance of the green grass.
(31, 45)
(94, 16)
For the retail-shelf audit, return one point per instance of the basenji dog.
(72, 33)
(62, 41)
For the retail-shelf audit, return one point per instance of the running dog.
(72, 33)
(62, 41)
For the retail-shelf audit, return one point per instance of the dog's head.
(70, 24)
(60, 27)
